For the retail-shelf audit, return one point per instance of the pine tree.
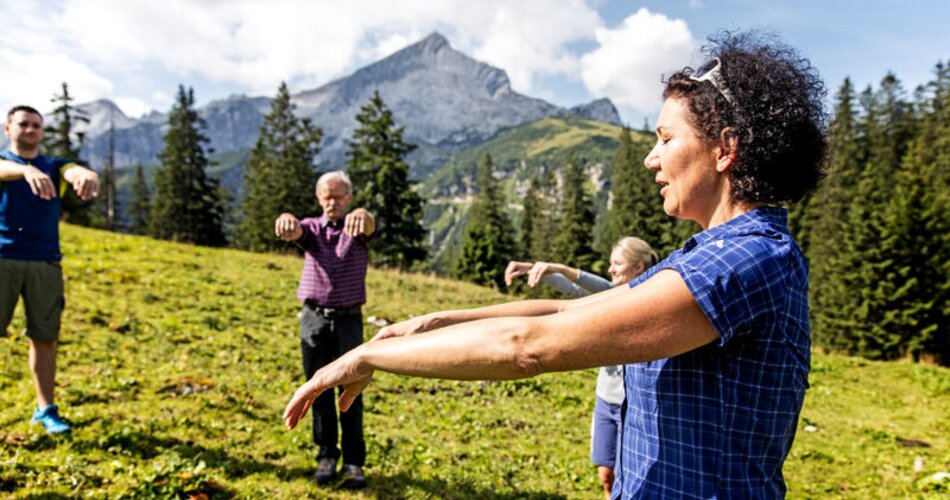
(636, 208)
(376, 165)
(915, 291)
(487, 244)
(140, 206)
(187, 205)
(866, 277)
(532, 205)
(60, 140)
(280, 175)
(547, 218)
(828, 213)
(915, 245)
(573, 244)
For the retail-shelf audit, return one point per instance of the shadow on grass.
(401, 485)
(145, 445)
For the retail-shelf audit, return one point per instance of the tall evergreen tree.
(574, 242)
(187, 205)
(828, 213)
(892, 128)
(376, 165)
(140, 205)
(488, 242)
(915, 246)
(872, 294)
(636, 208)
(529, 217)
(915, 291)
(280, 175)
(61, 140)
(546, 218)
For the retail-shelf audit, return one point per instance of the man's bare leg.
(43, 367)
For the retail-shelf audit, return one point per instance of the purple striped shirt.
(334, 266)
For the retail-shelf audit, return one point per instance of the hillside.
(518, 154)
(176, 363)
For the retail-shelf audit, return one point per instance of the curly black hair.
(777, 112)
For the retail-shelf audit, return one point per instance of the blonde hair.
(633, 250)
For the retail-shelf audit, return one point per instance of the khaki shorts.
(40, 283)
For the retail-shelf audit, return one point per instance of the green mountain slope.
(518, 154)
(177, 361)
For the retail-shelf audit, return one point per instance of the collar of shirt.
(760, 219)
(324, 222)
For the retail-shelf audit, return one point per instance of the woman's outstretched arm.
(657, 319)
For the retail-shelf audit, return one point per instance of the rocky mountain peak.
(431, 44)
(446, 100)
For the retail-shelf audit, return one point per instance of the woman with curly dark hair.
(715, 337)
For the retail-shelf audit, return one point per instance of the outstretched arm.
(287, 227)
(520, 308)
(657, 319)
(542, 269)
(84, 181)
(39, 183)
(359, 221)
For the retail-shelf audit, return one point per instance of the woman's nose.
(652, 161)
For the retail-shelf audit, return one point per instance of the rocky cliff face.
(446, 100)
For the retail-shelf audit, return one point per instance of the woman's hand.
(516, 268)
(411, 326)
(348, 371)
(540, 269)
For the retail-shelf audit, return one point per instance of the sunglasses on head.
(709, 72)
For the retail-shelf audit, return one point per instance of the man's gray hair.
(337, 175)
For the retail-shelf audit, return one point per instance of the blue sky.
(566, 51)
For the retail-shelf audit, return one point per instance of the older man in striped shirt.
(332, 290)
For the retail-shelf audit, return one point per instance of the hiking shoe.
(326, 469)
(50, 420)
(352, 477)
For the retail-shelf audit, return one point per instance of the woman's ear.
(728, 147)
(641, 266)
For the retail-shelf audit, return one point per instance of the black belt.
(332, 312)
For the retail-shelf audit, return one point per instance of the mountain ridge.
(446, 100)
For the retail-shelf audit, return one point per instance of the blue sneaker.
(49, 417)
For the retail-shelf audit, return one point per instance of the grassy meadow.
(176, 362)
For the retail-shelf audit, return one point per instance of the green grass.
(176, 363)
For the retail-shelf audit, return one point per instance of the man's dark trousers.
(325, 336)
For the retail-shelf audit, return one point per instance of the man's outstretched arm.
(39, 183)
(84, 181)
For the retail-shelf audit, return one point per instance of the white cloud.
(628, 64)
(250, 46)
(33, 79)
(132, 107)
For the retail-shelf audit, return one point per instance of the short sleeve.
(60, 180)
(737, 282)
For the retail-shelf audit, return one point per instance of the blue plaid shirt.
(718, 422)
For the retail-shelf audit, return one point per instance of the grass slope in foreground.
(176, 363)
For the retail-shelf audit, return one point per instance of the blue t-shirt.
(29, 225)
(718, 421)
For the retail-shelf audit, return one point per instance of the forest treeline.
(876, 233)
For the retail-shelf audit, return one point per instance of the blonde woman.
(628, 259)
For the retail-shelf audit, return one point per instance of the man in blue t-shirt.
(31, 185)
